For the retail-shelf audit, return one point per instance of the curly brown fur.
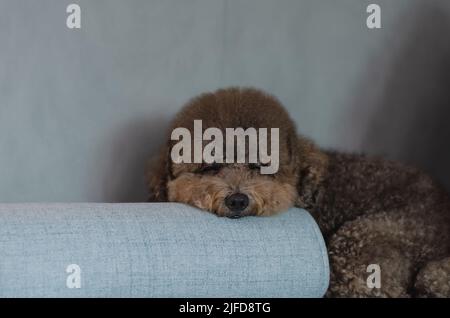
(371, 211)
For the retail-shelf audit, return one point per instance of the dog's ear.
(158, 174)
(312, 165)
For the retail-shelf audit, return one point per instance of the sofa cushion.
(157, 250)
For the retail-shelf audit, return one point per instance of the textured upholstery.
(157, 250)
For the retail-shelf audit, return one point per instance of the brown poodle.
(370, 211)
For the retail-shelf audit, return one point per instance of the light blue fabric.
(158, 250)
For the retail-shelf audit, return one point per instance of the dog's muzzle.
(236, 203)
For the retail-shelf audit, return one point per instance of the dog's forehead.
(228, 125)
(235, 107)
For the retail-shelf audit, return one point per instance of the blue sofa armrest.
(157, 250)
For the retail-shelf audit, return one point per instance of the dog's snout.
(236, 202)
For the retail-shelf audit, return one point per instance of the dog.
(370, 210)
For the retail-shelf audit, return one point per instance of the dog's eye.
(213, 168)
(254, 166)
(257, 166)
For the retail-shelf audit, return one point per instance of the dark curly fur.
(371, 211)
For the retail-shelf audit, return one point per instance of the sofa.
(157, 250)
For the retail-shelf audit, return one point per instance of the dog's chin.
(236, 215)
(223, 211)
(217, 207)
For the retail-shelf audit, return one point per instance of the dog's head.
(239, 189)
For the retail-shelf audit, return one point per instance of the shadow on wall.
(130, 150)
(411, 122)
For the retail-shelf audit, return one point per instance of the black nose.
(236, 202)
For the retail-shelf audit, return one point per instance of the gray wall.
(81, 110)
